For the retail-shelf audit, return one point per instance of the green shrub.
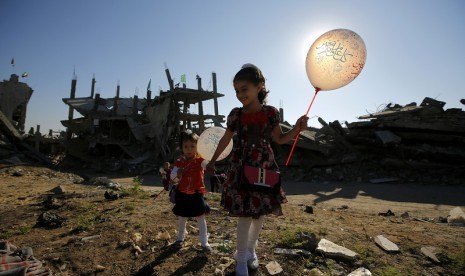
(136, 189)
(288, 238)
(390, 271)
(458, 261)
(13, 232)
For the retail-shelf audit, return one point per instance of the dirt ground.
(126, 236)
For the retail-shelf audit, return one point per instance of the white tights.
(248, 230)
(202, 225)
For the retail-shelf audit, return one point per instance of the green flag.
(183, 78)
(148, 86)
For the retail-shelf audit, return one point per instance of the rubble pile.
(408, 143)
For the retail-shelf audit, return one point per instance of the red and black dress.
(252, 145)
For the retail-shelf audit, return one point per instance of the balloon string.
(298, 134)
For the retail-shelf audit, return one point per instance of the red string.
(297, 136)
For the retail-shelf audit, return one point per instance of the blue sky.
(414, 50)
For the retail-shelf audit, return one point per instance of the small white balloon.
(208, 142)
(335, 59)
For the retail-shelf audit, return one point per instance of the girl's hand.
(301, 123)
(179, 173)
(210, 168)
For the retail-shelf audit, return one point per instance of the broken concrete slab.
(273, 268)
(456, 216)
(431, 252)
(361, 271)
(336, 252)
(386, 244)
(388, 137)
(292, 252)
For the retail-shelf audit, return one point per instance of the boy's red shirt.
(192, 180)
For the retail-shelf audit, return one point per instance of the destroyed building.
(15, 96)
(14, 144)
(133, 130)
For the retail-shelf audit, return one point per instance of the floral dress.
(252, 146)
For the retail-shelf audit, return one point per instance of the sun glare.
(307, 41)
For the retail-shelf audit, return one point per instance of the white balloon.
(208, 141)
(335, 59)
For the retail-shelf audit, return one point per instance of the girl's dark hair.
(253, 74)
(187, 135)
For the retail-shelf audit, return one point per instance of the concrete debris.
(405, 215)
(164, 236)
(431, 252)
(361, 271)
(17, 173)
(315, 272)
(90, 238)
(99, 268)
(456, 216)
(50, 220)
(386, 244)
(137, 237)
(58, 190)
(225, 262)
(273, 268)
(292, 252)
(104, 181)
(336, 252)
(386, 214)
(111, 195)
(426, 142)
(52, 203)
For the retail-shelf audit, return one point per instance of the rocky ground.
(80, 232)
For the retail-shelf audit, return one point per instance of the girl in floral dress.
(256, 125)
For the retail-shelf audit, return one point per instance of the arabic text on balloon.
(338, 53)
